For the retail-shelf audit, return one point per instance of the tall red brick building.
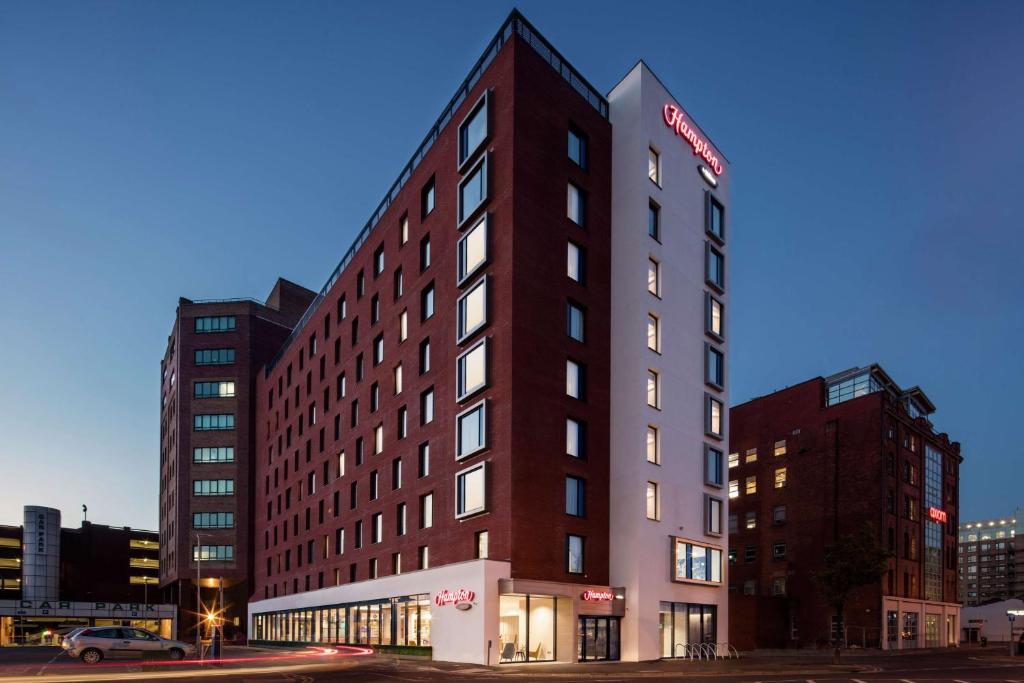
(823, 458)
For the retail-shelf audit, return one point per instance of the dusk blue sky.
(156, 149)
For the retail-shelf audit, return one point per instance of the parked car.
(65, 641)
(94, 644)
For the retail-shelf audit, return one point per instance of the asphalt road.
(261, 666)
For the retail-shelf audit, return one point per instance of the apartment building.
(207, 375)
(987, 565)
(435, 463)
(824, 458)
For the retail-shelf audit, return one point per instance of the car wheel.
(177, 653)
(92, 656)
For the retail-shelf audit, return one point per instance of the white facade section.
(641, 548)
(457, 635)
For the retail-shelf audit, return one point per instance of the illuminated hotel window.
(481, 545)
(696, 562)
(780, 477)
(751, 485)
(653, 389)
(780, 447)
(654, 166)
(575, 438)
(750, 456)
(714, 217)
(575, 267)
(574, 547)
(653, 445)
(474, 129)
(715, 267)
(472, 310)
(712, 466)
(654, 220)
(575, 379)
(750, 520)
(714, 316)
(574, 321)
(427, 198)
(734, 460)
(471, 370)
(713, 416)
(473, 249)
(654, 277)
(653, 333)
(714, 366)
(473, 190)
(470, 490)
(653, 501)
(576, 205)
(471, 430)
(578, 147)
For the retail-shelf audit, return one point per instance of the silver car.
(94, 644)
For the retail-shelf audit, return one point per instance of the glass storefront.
(909, 632)
(526, 631)
(391, 621)
(597, 639)
(931, 630)
(684, 624)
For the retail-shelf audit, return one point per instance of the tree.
(855, 559)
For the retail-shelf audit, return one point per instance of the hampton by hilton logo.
(675, 120)
(447, 597)
(597, 596)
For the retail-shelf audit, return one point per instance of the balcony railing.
(514, 24)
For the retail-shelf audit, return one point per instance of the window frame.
(462, 275)
(464, 215)
(461, 335)
(429, 189)
(657, 165)
(460, 475)
(481, 406)
(568, 554)
(580, 485)
(465, 156)
(710, 203)
(580, 262)
(710, 251)
(462, 393)
(583, 146)
(709, 500)
(715, 382)
(709, 301)
(708, 480)
(708, 399)
(581, 205)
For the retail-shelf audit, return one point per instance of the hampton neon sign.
(937, 515)
(675, 120)
(447, 597)
(597, 596)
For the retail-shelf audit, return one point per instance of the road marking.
(957, 680)
(857, 680)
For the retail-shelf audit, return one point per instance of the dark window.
(578, 147)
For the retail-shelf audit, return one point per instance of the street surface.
(974, 665)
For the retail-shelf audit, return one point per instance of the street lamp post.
(199, 598)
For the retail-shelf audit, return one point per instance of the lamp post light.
(199, 598)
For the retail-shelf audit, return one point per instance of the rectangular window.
(378, 261)
(206, 423)
(213, 520)
(714, 317)
(578, 147)
(427, 406)
(713, 416)
(403, 230)
(402, 422)
(473, 190)
(424, 253)
(400, 519)
(427, 198)
(575, 438)
(653, 445)
(654, 277)
(474, 129)
(750, 456)
(378, 350)
(653, 333)
(714, 217)
(574, 554)
(780, 447)
(342, 308)
(481, 545)
(396, 378)
(734, 460)
(750, 520)
(734, 488)
(424, 460)
(696, 562)
(779, 550)
(654, 166)
(713, 508)
(427, 302)
(424, 557)
(575, 380)
(213, 553)
(218, 323)
(779, 514)
(375, 309)
(751, 485)
(577, 205)
(473, 249)
(575, 321)
(213, 487)
(575, 266)
(471, 430)
(575, 496)
(472, 310)
(714, 366)
(780, 477)
(653, 389)
(213, 454)
(471, 370)
(425, 356)
(653, 499)
(215, 356)
(214, 389)
(714, 268)
(654, 220)
(378, 439)
(426, 510)
(470, 490)
(712, 466)
(377, 527)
